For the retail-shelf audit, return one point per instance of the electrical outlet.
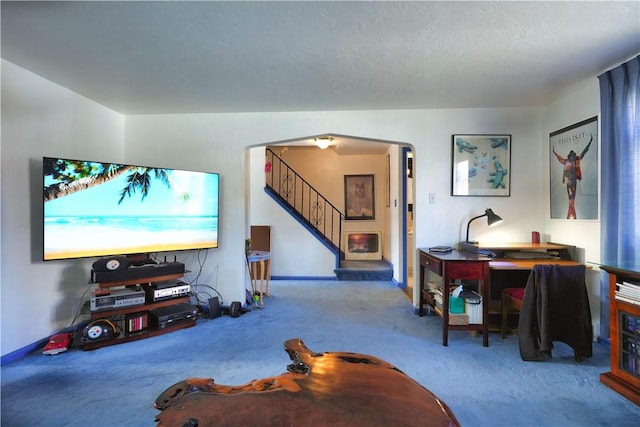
(432, 198)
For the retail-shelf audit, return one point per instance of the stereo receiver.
(157, 293)
(118, 298)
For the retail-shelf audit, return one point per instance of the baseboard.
(303, 278)
(21, 353)
(606, 342)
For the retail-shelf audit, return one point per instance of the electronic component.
(118, 298)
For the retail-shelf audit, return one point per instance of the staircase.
(364, 270)
(321, 218)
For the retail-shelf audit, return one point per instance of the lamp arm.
(469, 223)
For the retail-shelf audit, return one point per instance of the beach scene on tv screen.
(99, 209)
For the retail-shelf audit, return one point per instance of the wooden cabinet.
(624, 308)
(133, 321)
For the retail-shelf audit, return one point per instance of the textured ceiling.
(186, 57)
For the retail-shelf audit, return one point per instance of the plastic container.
(456, 305)
(473, 306)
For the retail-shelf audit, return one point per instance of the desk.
(451, 266)
(258, 271)
(511, 266)
(521, 264)
(500, 272)
(512, 250)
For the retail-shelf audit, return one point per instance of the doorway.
(407, 219)
(397, 223)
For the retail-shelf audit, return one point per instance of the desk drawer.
(466, 270)
(430, 264)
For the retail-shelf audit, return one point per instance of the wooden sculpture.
(320, 389)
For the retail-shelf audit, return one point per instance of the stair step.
(364, 270)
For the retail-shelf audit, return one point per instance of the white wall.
(578, 104)
(217, 142)
(39, 119)
(575, 106)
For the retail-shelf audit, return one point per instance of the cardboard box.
(458, 319)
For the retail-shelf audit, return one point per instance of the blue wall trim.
(38, 345)
(21, 353)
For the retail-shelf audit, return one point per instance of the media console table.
(133, 321)
(456, 265)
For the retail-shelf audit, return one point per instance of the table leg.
(262, 271)
(420, 284)
(254, 280)
(446, 292)
(268, 275)
(486, 297)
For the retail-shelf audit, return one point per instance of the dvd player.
(166, 316)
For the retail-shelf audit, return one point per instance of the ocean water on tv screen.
(120, 213)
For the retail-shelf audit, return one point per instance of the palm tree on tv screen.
(75, 175)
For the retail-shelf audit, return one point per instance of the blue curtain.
(620, 154)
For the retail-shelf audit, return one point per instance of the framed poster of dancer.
(573, 171)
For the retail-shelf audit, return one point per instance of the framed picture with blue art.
(481, 165)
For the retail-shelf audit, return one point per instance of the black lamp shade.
(492, 219)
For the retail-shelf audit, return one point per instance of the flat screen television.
(95, 209)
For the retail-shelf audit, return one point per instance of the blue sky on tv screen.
(191, 194)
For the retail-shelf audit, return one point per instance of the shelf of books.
(624, 304)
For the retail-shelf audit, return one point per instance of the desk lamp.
(492, 219)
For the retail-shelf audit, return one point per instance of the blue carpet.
(364, 270)
(484, 386)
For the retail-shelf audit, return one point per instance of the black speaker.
(234, 309)
(112, 263)
(214, 308)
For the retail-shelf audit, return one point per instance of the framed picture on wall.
(481, 165)
(573, 171)
(359, 197)
(362, 245)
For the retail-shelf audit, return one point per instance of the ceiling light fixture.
(323, 141)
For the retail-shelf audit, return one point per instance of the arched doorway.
(391, 181)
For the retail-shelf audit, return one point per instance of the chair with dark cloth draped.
(555, 308)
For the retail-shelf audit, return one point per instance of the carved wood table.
(320, 389)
